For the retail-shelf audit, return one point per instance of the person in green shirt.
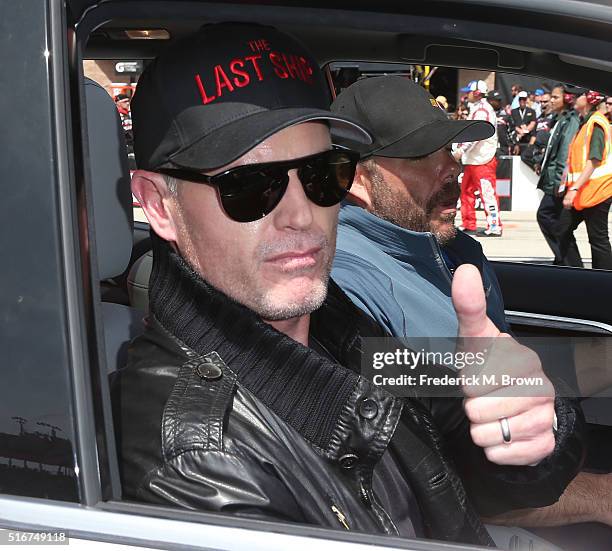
(551, 172)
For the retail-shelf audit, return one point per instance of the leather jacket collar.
(310, 392)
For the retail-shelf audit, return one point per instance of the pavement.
(522, 241)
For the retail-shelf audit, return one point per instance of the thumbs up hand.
(512, 423)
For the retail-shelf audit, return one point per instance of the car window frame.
(84, 317)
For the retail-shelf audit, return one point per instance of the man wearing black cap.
(397, 249)
(401, 214)
(243, 395)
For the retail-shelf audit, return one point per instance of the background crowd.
(543, 126)
(563, 135)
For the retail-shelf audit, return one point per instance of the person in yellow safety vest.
(588, 183)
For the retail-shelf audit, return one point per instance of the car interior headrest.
(110, 182)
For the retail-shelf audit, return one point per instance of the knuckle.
(540, 424)
(495, 455)
(543, 421)
(474, 412)
(543, 400)
(534, 360)
(477, 435)
(470, 409)
(530, 363)
(549, 391)
(540, 417)
(545, 446)
(550, 447)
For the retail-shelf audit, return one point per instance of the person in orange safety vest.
(588, 182)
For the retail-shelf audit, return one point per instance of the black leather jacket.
(193, 432)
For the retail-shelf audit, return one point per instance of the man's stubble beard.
(266, 303)
(267, 306)
(400, 209)
(239, 285)
(446, 235)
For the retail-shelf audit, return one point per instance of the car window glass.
(526, 228)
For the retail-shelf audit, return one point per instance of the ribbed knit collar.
(303, 388)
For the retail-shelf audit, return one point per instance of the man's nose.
(295, 209)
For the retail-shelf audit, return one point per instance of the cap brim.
(434, 136)
(228, 143)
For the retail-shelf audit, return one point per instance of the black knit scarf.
(303, 388)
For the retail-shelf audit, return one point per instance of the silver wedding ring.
(505, 428)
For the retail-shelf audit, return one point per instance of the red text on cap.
(243, 71)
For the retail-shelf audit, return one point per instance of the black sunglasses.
(249, 192)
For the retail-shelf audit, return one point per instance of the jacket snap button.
(209, 371)
(348, 460)
(368, 409)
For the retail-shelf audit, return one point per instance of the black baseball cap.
(214, 95)
(404, 119)
(494, 94)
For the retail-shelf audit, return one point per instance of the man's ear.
(156, 201)
(360, 193)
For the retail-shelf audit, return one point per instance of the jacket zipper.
(340, 516)
(369, 499)
(438, 257)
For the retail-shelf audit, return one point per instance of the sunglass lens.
(250, 195)
(327, 178)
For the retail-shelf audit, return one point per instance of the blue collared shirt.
(401, 277)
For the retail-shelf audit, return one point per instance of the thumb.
(470, 303)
